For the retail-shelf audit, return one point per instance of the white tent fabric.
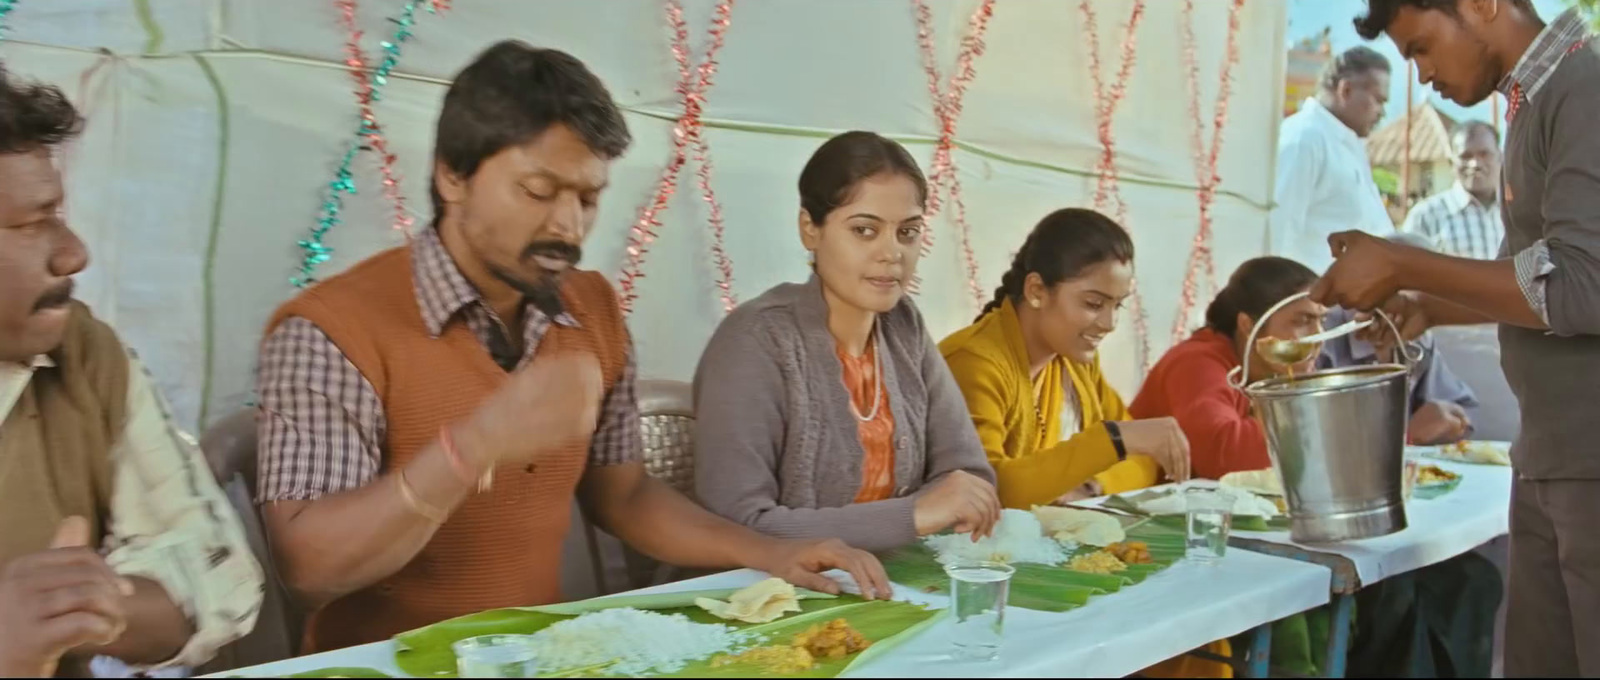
(186, 97)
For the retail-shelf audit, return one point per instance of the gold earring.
(1034, 303)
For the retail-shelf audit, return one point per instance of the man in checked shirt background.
(1464, 220)
(1545, 296)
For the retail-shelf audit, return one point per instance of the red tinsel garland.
(356, 62)
(1106, 104)
(947, 103)
(693, 83)
(1205, 160)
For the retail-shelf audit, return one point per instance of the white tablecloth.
(1475, 513)
(1173, 612)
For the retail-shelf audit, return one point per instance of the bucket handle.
(1240, 374)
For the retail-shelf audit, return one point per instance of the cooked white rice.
(640, 642)
(1017, 538)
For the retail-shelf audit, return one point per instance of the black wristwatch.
(1115, 430)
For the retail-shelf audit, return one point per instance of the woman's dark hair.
(1254, 288)
(1060, 247)
(830, 177)
(34, 116)
(510, 94)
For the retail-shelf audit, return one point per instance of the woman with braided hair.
(1190, 382)
(1029, 368)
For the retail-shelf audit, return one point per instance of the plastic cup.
(978, 592)
(495, 656)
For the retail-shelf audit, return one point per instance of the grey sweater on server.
(1552, 193)
(776, 442)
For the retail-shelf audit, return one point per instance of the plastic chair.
(230, 450)
(666, 414)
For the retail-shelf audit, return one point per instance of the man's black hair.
(1352, 63)
(1381, 12)
(34, 116)
(512, 93)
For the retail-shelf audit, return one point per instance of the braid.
(1010, 284)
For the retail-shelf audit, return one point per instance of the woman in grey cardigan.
(824, 409)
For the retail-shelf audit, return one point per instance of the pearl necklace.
(877, 378)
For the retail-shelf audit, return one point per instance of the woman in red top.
(1190, 383)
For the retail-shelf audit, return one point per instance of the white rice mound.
(640, 642)
(1017, 538)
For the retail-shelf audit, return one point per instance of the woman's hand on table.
(1438, 422)
(802, 563)
(1162, 440)
(960, 501)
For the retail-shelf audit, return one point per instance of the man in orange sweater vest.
(428, 415)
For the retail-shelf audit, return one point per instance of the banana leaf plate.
(1428, 492)
(1050, 588)
(1131, 502)
(426, 652)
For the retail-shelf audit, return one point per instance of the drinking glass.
(495, 656)
(978, 592)
(1209, 521)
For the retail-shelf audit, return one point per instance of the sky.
(1308, 17)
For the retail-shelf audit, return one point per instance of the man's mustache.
(559, 250)
(58, 296)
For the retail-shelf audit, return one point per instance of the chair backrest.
(230, 450)
(1473, 354)
(666, 414)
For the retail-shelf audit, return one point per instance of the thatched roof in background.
(1430, 138)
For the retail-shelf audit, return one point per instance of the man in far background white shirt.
(1464, 220)
(1324, 179)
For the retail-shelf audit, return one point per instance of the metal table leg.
(1260, 659)
(1339, 635)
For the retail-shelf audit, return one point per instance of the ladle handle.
(1241, 374)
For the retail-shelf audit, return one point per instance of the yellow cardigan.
(1034, 467)
(990, 363)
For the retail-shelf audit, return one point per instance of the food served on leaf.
(766, 601)
(835, 639)
(1262, 482)
(1485, 453)
(775, 659)
(1245, 504)
(1433, 474)
(1132, 552)
(1097, 562)
(1018, 537)
(832, 640)
(1072, 525)
(631, 642)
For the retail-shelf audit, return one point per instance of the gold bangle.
(416, 504)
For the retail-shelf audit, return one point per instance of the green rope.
(923, 140)
(208, 272)
(154, 36)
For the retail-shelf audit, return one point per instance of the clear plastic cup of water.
(495, 656)
(1209, 521)
(978, 592)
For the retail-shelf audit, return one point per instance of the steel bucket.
(1337, 440)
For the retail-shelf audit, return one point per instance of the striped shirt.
(1458, 224)
(322, 426)
(1554, 43)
